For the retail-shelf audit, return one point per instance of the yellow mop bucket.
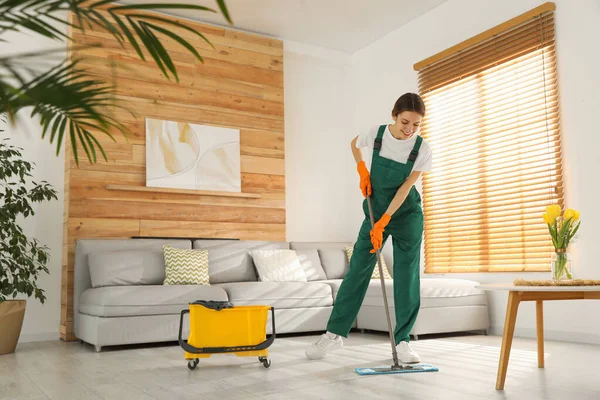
(219, 327)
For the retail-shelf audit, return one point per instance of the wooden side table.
(539, 294)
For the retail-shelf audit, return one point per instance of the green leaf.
(575, 230)
(93, 139)
(61, 21)
(561, 234)
(130, 36)
(73, 142)
(224, 10)
(82, 140)
(36, 25)
(176, 38)
(86, 137)
(108, 25)
(54, 32)
(149, 46)
(55, 127)
(61, 134)
(174, 23)
(160, 49)
(552, 236)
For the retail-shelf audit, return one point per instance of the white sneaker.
(324, 345)
(406, 355)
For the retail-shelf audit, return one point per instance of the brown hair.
(409, 102)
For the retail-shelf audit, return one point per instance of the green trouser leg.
(407, 238)
(355, 284)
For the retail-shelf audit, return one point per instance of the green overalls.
(406, 228)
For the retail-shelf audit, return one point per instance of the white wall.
(318, 128)
(41, 321)
(384, 70)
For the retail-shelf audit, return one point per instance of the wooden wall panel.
(240, 85)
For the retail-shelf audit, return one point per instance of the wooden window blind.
(493, 124)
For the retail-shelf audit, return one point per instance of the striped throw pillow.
(386, 272)
(185, 267)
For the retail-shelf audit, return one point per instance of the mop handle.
(385, 302)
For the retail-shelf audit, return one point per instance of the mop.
(396, 368)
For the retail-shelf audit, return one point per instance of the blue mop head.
(404, 369)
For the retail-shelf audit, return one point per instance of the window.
(493, 123)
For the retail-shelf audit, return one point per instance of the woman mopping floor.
(400, 156)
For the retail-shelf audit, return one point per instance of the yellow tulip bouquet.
(562, 229)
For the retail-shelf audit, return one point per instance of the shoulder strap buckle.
(377, 144)
(413, 155)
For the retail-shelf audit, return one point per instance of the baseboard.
(38, 337)
(561, 336)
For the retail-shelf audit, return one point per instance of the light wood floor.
(467, 363)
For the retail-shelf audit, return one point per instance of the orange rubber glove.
(377, 232)
(365, 178)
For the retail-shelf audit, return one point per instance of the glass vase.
(562, 266)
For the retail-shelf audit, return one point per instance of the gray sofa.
(119, 297)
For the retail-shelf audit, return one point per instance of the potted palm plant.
(22, 259)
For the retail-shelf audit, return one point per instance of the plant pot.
(562, 266)
(11, 321)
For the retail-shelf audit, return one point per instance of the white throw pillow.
(278, 266)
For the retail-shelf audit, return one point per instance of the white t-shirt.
(396, 149)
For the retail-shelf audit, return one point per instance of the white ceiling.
(343, 25)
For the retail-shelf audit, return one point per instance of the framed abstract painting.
(182, 155)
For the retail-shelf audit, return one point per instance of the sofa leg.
(362, 331)
(416, 337)
(98, 348)
(486, 332)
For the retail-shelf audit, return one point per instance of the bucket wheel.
(192, 364)
(265, 361)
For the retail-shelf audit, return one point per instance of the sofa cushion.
(230, 261)
(311, 264)
(335, 286)
(437, 292)
(125, 301)
(185, 266)
(126, 267)
(434, 293)
(332, 255)
(335, 263)
(84, 247)
(279, 294)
